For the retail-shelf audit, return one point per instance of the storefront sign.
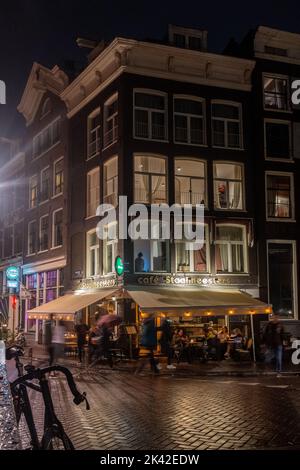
(119, 266)
(12, 284)
(204, 281)
(98, 283)
(12, 273)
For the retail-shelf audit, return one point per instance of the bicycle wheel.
(56, 440)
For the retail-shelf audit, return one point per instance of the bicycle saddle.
(14, 351)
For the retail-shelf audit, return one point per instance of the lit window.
(150, 179)
(279, 196)
(92, 254)
(110, 248)
(275, 92)
(93, 133)
(226, 125)
(33, 191)
(150, 115)
(57, 238)
(190, 258)
(111, 181)
(190, 185)
(93, 192)
(111, 121)
(58, 177)
(231, 249)
(228, 186)
(152, 255)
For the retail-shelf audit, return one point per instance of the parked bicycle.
(54, 436)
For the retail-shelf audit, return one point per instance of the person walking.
(273, 339)
(81, 330)
(166, 342)
(148, 341)
(58, 342)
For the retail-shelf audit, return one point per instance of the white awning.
(69, 304)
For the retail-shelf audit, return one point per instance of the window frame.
(54, 179)
(238, 105)
(151, 247)
(207, 249)
(229, 243)
(114, 179)
(292, 196)
(30, 206)
(115, 128)
(40, 226)
(53, 246)
(96, 112)
(114, 242)
(280, 77)
(149, 175)
(190, 98)
(31, 222)
(290, 158)
(88, 193)
(43, 131)
(197, 160)
(96, 250)
(41, 183)
(227, 162)
(149, 112)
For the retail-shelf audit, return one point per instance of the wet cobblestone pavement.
(169, 412)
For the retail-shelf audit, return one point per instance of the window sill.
(190, 144)
(91, 217)
(280, 160)
(42, 251)
(110, 144)
(220, 209)
(44, 202)
(273, 110)
(90, 157)
(57, 195)
(46, 151)
(232, 274)
(55, 247)
(148, 139)
(239, 149)
(280, 219)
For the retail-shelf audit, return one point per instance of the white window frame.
(37, 191)
(280, 77)
(113, 197)
(115, 250)
(89, 213)
(115, 127)
(54, 166)
(41, 133)
(295, 276)
(53, 247)
(289, 158)
(229, 243)
(45, 104)
(28, 237)
(189, 116)
(149, 175)
(49, 189)
(226, 120)
(96, 250)
(149, 111)
(197, 160)
(215, 178)
(207, 249)
(90, 131)
(40, 233)
(151, 248)
(292, 196)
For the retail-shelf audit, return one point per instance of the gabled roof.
(40, 80)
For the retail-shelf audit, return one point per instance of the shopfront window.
(282, 259)
(150, 185)
(152, 255)
(190, 258)
(190, 184)
(228, 186)
(231, 249)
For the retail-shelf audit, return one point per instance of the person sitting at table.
(223, 344)
(182, 346)
(236, 342)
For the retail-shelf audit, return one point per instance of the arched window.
(47, 108)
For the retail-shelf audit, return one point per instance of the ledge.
(9, 436)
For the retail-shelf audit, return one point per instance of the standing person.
(167, 342)
(148, 341)
(273, 339)
(81, 330)
(58, 341)
(222, 345)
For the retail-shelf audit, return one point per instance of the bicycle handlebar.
(40, 373)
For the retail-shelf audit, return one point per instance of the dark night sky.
(45, 31)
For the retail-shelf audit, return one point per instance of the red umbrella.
(109, 320)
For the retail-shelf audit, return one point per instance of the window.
(18, 195)
(150, 179)
(152, 255)
(189, 125)
(57, 237)
(111, 181)
(188, 38)
(228, 186)
(189, 258)
(94, 136)
(275, 93)
(47, 108)
(8, 241)
(282, 277)
(150, 115)
(277, 140)
(32, 237)
(58, 177)
(45, 184)
(279, 195)
(93, 192)
(18, 239)
(46, 139)
(226, 125)
(190, 187)
(111, 121)
(33, 191)
(110, 249)
(44, 233)
(231, 249)
(92, 254)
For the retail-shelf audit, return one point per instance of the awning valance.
(204, 301)
(69, 304)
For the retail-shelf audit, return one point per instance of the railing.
(157, 131)
(195, 136)
(111, 136)
(111, 199)
(189, 197)
(94, 142)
